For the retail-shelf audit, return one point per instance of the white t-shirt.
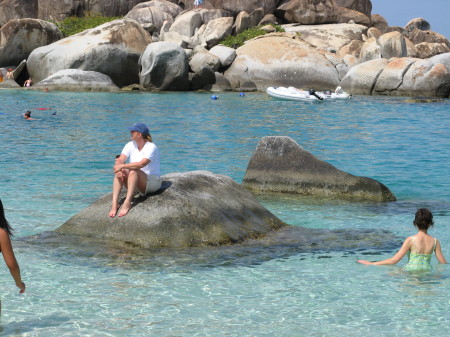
(149, 151)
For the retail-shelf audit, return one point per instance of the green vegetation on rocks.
(74, 25)
(239, 40)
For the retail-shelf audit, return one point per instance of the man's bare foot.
(124, 209)
(113, 211)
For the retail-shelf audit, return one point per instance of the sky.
(400, 12)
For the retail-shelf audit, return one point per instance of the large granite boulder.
(234, 6)
(348, 15)
(429, 77)
(202, 79)
(392, 75)
(362, 6)
(281, 165)
(418, 36)
(164, 66)
(370, 50)
(113, 49)
(59, 10)
(55, 10)
(308, 12)
(187, 23)
(302, 66)
(418, 23)
(225, 54)
(402, 77)
(19, 37)
(211, 14)
(194, 209)
(392, 44)
(77, 80)
(213, 32)
(243, 21)
(380, 23)
(204, 59)
(151, 15)
(388, 45)
(353, 48)
(426, 50)
(361, 79)
(166, 6)
(331, 36)
(17, 9)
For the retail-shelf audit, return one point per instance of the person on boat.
(142, 172)
(8, 252)
(419, 247)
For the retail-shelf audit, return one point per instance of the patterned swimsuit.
(419, 261)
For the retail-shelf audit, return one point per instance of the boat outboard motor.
(313, 93)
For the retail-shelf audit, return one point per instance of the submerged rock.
(193, 209)
(424, 100)
(281, 165)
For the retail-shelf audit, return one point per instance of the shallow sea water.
(55, 166)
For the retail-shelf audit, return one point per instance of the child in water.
(419, 247)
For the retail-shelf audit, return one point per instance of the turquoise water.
(55, 166)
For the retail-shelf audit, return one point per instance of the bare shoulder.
(409, 238)
(408, 241)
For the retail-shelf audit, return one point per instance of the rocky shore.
(172, 45)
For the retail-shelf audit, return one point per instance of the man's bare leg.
(118, 183)
(136, 178)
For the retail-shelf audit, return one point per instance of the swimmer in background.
(27, 116)
(28, 83)
(419, 247)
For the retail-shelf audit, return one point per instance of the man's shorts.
(153, 184)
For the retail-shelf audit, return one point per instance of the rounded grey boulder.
(77, 80)
(281, 165)
(192, 209)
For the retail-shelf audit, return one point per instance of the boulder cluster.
(174, 45)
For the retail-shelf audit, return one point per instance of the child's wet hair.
(424, 218)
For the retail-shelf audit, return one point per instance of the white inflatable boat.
(295, 94)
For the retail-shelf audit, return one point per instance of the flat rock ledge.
(196, 208)
(281, 165)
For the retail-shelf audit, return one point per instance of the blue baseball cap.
(139, 127)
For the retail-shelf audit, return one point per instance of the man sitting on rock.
(141, 174)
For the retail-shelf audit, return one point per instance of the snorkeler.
(27, 116)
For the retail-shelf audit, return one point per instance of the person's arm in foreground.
(10, 260)
(396, 258)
